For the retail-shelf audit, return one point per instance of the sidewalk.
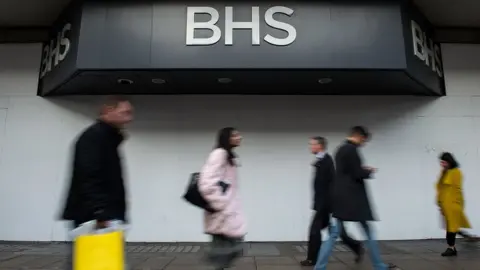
(408, 255)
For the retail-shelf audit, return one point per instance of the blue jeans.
(327, 247)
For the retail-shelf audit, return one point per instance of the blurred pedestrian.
(324, 174)
(218, 184)
(451, 202)
(97, 190)
(350, 199)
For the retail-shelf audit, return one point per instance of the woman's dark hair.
(223, 141)
(448, 157)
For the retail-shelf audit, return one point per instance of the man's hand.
(371, 169)
(102, 225)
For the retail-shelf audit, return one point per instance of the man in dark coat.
(322, 187)
(97, 190)
(350, 199)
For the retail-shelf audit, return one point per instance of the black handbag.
(193, 195)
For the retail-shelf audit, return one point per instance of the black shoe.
(360, 254)
(450, 252)
(391, 266)
(307, 263)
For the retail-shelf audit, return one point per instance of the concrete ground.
(408, 255)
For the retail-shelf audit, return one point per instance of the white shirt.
(320, 155)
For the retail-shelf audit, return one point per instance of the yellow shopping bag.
(99, 252)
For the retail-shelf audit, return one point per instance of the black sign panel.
(423, 55)
(242, 35)
(166, 47)
(59, 53)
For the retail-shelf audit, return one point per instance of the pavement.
(407, 255)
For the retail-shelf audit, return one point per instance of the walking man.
(97, 190)
(350, 199)
(324, 173)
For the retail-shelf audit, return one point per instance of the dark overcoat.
(350, 198)
(97, 190)
(324, 173)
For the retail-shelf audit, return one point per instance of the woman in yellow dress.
(450, 201)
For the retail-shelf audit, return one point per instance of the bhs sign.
(230, 25)
(56, 51)
(426, 50)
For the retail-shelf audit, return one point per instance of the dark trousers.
(320, 221)
(451, 237)
(224, 250)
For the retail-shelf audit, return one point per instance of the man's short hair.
(320, 140)
(111, 101)
(360, 130)
(114, 100)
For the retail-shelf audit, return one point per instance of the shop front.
(177, 53)
(155, 47)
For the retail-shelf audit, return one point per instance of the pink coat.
(229, 220)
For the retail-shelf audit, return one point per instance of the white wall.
(173, 134)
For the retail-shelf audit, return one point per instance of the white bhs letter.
(192, 25)
(291, 31)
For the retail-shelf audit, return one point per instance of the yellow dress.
(450, 200)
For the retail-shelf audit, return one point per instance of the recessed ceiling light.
(224, 80)
(158, 81)
(324, 80)
(124, 81)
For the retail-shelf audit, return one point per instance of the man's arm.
(330, 170)
(358, 171)
(90, 159)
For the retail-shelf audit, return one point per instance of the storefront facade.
(45, 103)
(376, 47)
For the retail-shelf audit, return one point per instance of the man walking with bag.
(351, 202)
(97, 190)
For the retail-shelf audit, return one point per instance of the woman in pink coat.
(218, 185)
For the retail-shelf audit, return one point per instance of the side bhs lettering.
(426, 50)
(230, 25)
(55, 51)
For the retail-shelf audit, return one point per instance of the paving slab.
(279, 267)
(277, 260)
(334, 258)
(408, 255)
(154, 263)
(262, 249)
(420, 265)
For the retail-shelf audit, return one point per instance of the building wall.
(173, 134)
